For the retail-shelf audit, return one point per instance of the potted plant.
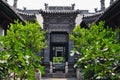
(58, 64)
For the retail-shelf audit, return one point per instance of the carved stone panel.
(59, 37)
(58, 27)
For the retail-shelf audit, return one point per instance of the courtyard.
(59, 79)
(60, 42)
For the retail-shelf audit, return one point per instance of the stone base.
(58, 75)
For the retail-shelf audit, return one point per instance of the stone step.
(58, 75)
(74, 78)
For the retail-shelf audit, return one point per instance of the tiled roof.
(28, 11)
(9, 11)
(59, 11)
(102, 15)
(92, 18)
(59, 8)
(113, 9)
(27, 16)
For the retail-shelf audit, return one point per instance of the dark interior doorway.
(59, 45)
(59, 50)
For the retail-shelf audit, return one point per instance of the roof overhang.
(59, 11)
(110, 13)
(9, 12)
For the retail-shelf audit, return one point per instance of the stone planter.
(79, 74)
(37, 74)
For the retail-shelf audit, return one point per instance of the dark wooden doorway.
(59, 45)
(59, 50)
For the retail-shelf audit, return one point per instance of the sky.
(79, 4)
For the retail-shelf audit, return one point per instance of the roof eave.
(8, 10)
(107, 12)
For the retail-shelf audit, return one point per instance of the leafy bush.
(99, 52)
(20, 46)
(58, 60)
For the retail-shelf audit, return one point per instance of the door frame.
(59, 44)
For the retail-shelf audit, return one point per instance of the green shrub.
(99, 52)
(58, 60)
(20, 46)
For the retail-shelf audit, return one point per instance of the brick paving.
(59, 79)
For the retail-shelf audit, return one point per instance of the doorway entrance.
(59, 45)
(59, 50)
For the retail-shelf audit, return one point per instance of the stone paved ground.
(59, 79)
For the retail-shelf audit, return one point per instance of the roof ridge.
(94, 15)
(25, 13)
